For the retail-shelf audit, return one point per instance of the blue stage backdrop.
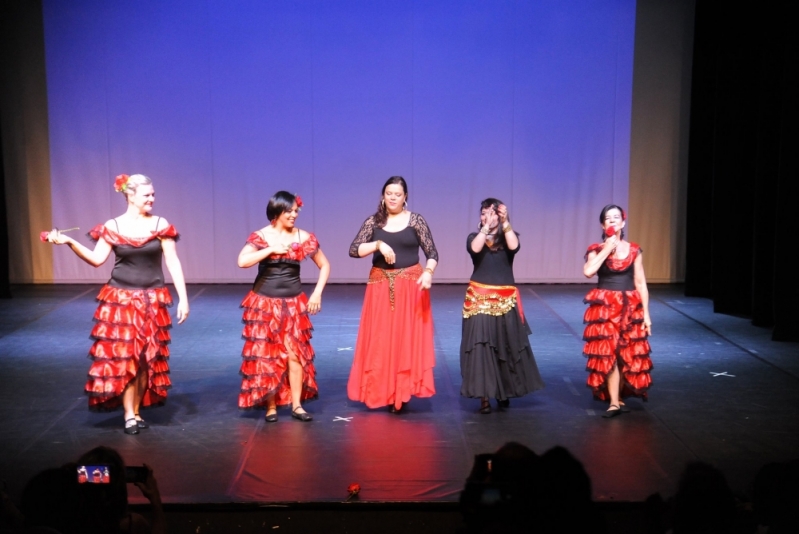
(223, 102)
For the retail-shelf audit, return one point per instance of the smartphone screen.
(93, 474)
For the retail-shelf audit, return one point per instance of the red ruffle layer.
(131, 330)
(615, 331)
(273, 328)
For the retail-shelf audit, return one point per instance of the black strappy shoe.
(304, 416)
(131, 426)
(611, 413)
(485, 406)
(141, 423)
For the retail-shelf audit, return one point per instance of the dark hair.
(605, 211)
(280, 202)
(493, 203)
(381, 215)
(50, 499)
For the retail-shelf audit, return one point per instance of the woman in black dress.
(496, 358)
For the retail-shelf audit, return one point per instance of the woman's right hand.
(611, 243)
(388, 253)
(280, 248)
(57, 238)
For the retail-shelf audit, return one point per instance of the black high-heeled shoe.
(393, 409)
(304, 416)
(503, 403)
(485, 406)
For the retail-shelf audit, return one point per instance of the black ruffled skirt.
(496, 358)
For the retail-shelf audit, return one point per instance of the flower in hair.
(121, 183)
(298, 200)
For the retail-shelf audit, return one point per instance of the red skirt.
(394, 354)
(615, 332)
(131, 333)
(273, 327)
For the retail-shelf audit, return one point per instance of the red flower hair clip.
(298, 200)
(121, 183)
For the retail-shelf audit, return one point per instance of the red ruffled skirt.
(131, 333)
(615, 332)
(394, 354)
(273, 327)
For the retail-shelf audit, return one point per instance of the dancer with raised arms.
(497, 361)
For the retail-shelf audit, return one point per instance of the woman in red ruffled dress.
(277, 365)
(129, 354)
(394, 354)
(617, 319)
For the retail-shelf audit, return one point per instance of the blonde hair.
(134, 181)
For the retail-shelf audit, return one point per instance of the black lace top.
(407, 250)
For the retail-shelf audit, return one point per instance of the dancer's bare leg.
(614, 381)
(295, 383)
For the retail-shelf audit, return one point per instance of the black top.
(278, 278)
(492, 267)
(616, 280)
(138, 267)
(405, 243)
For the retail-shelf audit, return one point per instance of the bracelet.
(484, 230)
(428, 270)
(378, 243)
(506, 227)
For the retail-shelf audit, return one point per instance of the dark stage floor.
(205, 450)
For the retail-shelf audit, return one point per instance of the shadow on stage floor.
(723, 393)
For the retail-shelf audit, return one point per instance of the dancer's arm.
(640, 286)
(594, 260)
(251, 255)
(315, 301)
(95, 257)
(176, 271)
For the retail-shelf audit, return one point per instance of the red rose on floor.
(354, 489)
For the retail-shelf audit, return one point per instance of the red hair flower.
(298, 200)
(121, 183)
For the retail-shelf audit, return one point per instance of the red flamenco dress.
(276, 323)
(132, 322)
(394, 353)
(615, 331)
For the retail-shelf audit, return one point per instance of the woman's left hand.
(183, 311)
(425, 281)
(315, 304)
(502, 213)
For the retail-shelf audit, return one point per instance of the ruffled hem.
(614, 330)
(131, 330)
(273, 328)
(496, 358)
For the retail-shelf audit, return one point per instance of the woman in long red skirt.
(617, 319)
(130, 352)
(278, 360)
(394, 354)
